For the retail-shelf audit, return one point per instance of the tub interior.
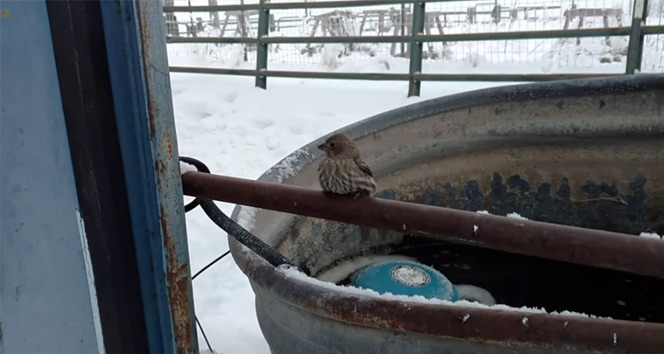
(607, 184)
(518, 280)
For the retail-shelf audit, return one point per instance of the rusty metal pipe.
(595, 248)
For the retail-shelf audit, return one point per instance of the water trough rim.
(592, 333)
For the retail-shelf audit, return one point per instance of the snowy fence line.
(426, 31)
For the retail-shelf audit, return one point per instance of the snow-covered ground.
(239, 130)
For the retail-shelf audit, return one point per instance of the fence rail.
(414, 40)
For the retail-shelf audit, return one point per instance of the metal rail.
(582, 246)
(387, 76)
(292, 5)
(636, 32)
(459, 37)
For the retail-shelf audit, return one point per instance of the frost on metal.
(246, 216)
(290, 165)
(294, 273)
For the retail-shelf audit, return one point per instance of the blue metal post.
(47, 292)
(635, 49)
(93, 249)
(136, 42)
(262, 47)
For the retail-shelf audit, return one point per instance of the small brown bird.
(342, 171)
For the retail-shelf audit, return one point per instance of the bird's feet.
(361, 193)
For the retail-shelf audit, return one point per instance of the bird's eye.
(331, 144)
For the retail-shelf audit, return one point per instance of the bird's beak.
(322, 147)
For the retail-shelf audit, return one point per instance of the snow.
(242, 131)
(186, 167)
(516, 216)
(651, 235)
(330, 55)
(294, 273)
(288, 166)
(524, 321)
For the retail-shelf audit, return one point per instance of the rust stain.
(152, 114)
(160, 166)
(146, 43)
(5, 13)
(178, 292)
(177, 274)
(169, 145)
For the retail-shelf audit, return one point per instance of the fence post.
(417, 28)
(214, 14)
(635, 50)
(261, 49)
(171, 21)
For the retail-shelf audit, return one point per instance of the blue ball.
(406, 278)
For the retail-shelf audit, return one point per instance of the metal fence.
(394, 38)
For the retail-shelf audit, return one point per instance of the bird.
(342, 171)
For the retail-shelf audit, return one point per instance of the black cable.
(210, 264)
(198, 322)
(234, 229)
(204, 336)
(242, 235)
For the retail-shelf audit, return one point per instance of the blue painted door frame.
(136, 43)
(47, 294)
(93, 249)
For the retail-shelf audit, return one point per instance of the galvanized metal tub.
(587, 153)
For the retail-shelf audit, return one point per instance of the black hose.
(242, 235)
(234, 229)
(201, 167)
